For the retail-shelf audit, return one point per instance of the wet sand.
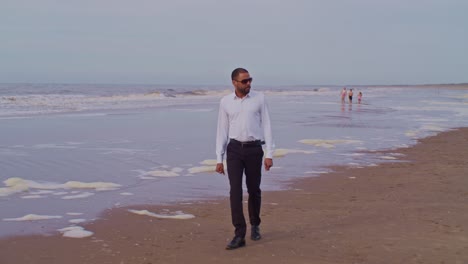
(403, 212)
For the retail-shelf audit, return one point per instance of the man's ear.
(233, 82)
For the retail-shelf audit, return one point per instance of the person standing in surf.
(343, 94)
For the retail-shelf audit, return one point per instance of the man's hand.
(268, 163)
(220, 168)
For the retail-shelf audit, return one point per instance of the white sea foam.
(161, 173)
(59, 193)
(32, 196)
(33, 217)
(328, 143)
(78, 196)
(425, 119)
(211, 162)
(34, 104)
(176, 215)
(52, 146)
(74, 214)
(77, 221)
(75, 232)
(74, 143)
(201, 169)
(194, 109)
(98, 186)
(42, 192)
(395, 154)
(315, 172)
(177, 170)
(316, 91)
(146, 178)
(387, 157)
(11, 152)
(433, 127)
(351, 154)
(283, 152)
(412, 133)
(210, 166)
(15, 185)
(126, 193)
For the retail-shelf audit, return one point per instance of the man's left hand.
(268, 163)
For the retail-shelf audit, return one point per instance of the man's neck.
(240, 95)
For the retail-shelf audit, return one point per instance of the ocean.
(70, 151)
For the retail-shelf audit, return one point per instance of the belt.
(247, 144)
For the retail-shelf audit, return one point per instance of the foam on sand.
(283, 152)
(162, 173)
(72, 213)
(328, 143)
(77, 221)
(78, 196)
(32, 197)
(316, 172)
(387, 157)
(16, 185)
(211, 162)
(42, 192)
(433, 128)
(59, 193)
(201, 169)
(210, 166)
(411, 133)
(33, 217)
(177, 215)
(98, 186)
(75, 232)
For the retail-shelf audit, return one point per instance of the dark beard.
(244, 91)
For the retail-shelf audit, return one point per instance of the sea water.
(68, 152)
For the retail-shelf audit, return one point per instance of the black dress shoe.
(255, 233)
(236, 242)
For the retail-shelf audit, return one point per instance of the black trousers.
(246, 160)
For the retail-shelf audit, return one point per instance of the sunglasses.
(245, 81)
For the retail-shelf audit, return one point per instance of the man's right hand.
(220, 168)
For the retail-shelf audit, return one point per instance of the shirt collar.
(234, 96)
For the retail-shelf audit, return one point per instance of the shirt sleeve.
(266, 123)
(222, 133)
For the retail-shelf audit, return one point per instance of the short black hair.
(238, 71)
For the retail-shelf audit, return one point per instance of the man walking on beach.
(243, 127)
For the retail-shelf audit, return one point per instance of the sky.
(294, 42)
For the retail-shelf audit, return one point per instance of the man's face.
(242, 83)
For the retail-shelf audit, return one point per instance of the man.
(243, 127)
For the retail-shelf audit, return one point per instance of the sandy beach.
(414, 211)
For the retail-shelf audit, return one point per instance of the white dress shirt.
(243, 119)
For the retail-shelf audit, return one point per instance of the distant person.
(359, 97)
(343, 94)
(350, 96)
(243, 126)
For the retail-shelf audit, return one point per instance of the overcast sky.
(202, 41)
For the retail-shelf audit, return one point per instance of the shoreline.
(401, 212)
